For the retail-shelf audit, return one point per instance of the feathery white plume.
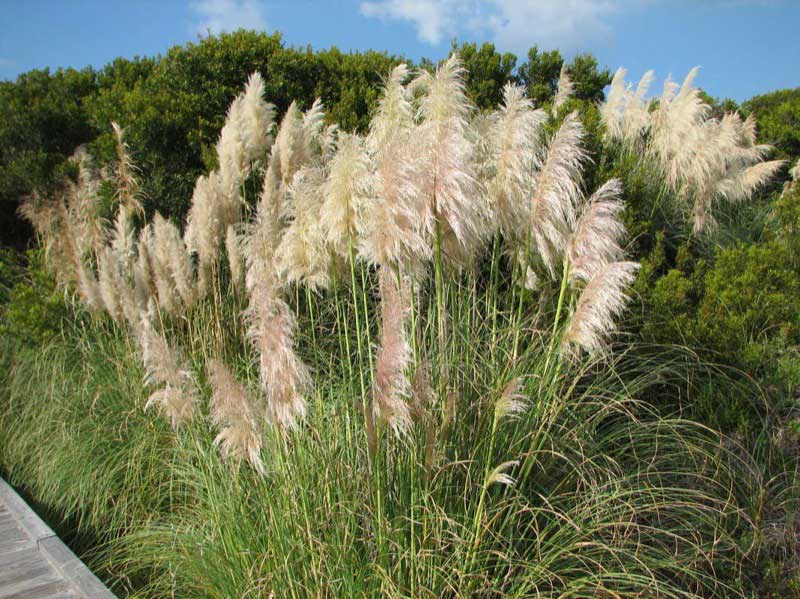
(612, 108)
(552, 208)
(263, 235)
(392, 386)
(217, 199)
(511, 401)
(564, 89)
(232, 412)
(595, 241)
(395, 226)
(602, 300)
(394, 114)
(126, 184)
(302, 255)
(499, 476)
(106, 275)
(448, 184)
(625, 112)
(123, 239)
(143, 270)
(89, 289)
(703, 160)
(290, 144)
(283, 376)
(172, 269)
(166, 369)
(396, 223)
(247, 133)
(514, 139)
(343, 191)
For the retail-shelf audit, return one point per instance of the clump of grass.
(416, 393)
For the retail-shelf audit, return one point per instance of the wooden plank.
(74, 570)
(25, 516)
(14, 546)
(30, 583)
(21, 553)
(25, 571)
(34, 563)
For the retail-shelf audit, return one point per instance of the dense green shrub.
(33, 309)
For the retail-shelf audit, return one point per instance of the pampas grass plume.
(164, 367)
(392, 386)
(601, 301)
(232, 412)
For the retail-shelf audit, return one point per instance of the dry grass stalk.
(564, 89)
(127, 186)
(233, 250)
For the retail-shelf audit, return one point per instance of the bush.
(34, 309)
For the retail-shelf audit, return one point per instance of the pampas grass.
(551, 211)
(452, 195)
(394, 356)
(520, 461)
(284, 378)
(705, 161)
(514, 135)
(564, 89)
(166, 369)
(232, 411)
(601, 301)
(595, 242)
(127, 185)
(343, 192)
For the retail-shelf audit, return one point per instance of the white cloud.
(512, 24)
(515, 25)
(432, 19)
(564, 24)
(229, 15)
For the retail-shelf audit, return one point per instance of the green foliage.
(33, 309)
(541, 72)
(778, 115)
(741, 306)
(488, 71)
(43, 117)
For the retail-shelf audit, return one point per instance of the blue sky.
(744, 47)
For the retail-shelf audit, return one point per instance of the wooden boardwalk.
(34, 563)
